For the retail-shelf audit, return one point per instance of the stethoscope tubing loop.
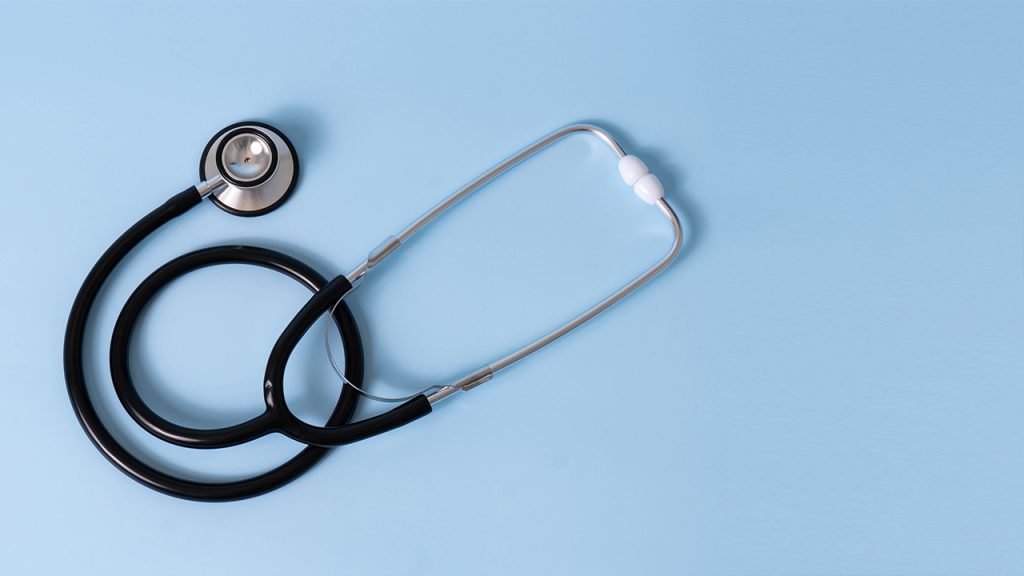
(85, 410)
(267, 421)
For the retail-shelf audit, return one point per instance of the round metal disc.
(257, 162)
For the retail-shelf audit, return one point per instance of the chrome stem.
(207, 187)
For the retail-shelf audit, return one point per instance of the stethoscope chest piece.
(258, 165)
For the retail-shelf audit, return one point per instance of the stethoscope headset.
(249, 169)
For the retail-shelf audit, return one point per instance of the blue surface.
(829, 381)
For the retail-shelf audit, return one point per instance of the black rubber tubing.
(277, 417)
(74, 374)
(265, 423)
(330, 435)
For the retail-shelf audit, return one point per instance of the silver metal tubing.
(607, 302)
(393, 242)
(472, 380)
(509, 162)
(488, 371)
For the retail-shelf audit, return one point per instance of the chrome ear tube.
(634, 173)
(249, 169)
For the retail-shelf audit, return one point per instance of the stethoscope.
(249, 169)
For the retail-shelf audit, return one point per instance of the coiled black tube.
(92, 424)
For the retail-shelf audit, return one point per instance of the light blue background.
(829, 380)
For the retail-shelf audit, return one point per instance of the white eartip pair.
(645, 185)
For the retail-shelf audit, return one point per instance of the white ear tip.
(649, 189)
(632, 169)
